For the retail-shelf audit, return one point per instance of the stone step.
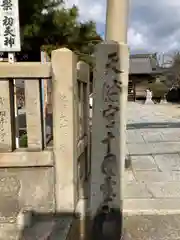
(153, 148)
(44, 227)
(146, 206)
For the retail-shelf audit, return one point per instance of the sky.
(154, 25)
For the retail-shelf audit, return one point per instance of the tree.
(175, 69)
(47, 25)
(172, 72)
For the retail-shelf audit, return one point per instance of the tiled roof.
(142, 64)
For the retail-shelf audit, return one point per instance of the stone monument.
(108, 146)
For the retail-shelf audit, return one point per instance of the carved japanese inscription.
(111, 89)
(3, 120)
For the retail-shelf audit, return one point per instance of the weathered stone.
(128, 176)
(165, 147)
(165, 189)
(175, 176)
(136, 190)
(9, 204)
(108, 154)
(9, 208)
(143, 163)
(170, 135)
(37, 194)
(168, 162)
(35, 129)
(9, 231)
(152, 176)
(128, 162)
(152, 136)
(139, 148)
(153, 148)
(25, 188)
(134, 136)
(9, 185)
(26, 159)
(40, 230)
(151, 206)
(152, 227)
(7, 119)
(65, 103)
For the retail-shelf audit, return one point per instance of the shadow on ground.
(62, 226)
(65, 226)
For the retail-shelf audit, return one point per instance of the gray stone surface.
(39, 192)
(165, 147)
(164, 189)
(152, 227)
(129, 176)
(25, 188)
(153, 148)
(143, 163)
(9, 231)
(136, 190)
(43, 228)
(168, 162)
(152, 176)
(170, 135)
(139, 148)
(134, 136)
(154, 206)
(175, 176)
(149, 136)
(7, 128)
(156, 161)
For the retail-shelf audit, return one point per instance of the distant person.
(148, 96)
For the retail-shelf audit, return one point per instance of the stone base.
(101, 228)
(128, 162)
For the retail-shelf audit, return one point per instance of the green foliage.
(158, 89)
(48, 25)
(23, 141)
(173, 72)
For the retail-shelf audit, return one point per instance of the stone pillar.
(83, 75)
(65, 128)
(34, 113)
(109, 125)
(116, 30)
(108, 145)
(7, 116)
(117, 20)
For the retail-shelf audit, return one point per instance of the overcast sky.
(154, 25)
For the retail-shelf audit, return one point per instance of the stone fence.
(40, 177)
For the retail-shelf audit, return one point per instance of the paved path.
(152, 191)
(152, 227)
(153, 141)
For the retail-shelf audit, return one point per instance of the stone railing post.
(83, 75)
(34, 117)
(7, 116)
(64, 74)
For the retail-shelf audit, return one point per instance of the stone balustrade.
(40, 177)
